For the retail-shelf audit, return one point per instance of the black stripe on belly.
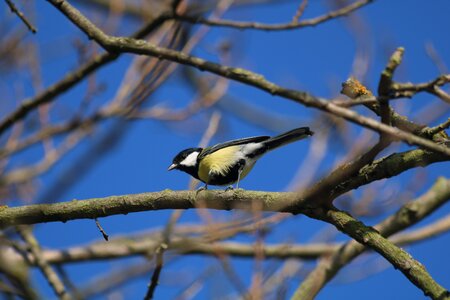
(231, 176)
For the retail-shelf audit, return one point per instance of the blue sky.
(314, 59)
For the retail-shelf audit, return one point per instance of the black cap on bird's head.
(185, 159)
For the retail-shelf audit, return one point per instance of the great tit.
(229, 162)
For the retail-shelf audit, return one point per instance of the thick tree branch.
(398, 257)
(388, 167)
(120, 45)
(114, 205)
(101, 207)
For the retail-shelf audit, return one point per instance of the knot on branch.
(353, 89)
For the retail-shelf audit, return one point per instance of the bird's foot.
(229, 188)
(202, 188)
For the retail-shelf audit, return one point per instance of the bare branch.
(398, 257)
(117, 44)
(71, 79)
(116, 248)
(101, 207)
(49, 274)
(277, 27)
(409, 214)
(410, 89)
(300, 10)
(385, 84)
(21, 16)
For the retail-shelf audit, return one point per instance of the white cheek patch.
(190, 160)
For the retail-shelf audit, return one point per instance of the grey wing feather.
(254, 139)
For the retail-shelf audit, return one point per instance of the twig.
(385, 83)
(439, 128)
(166, 236)
(114, 279)
(73, 290)
(25, 174)
(71, 79)
(384, 86)
(21, 16)
(51, 131)
(156, 272)
(276, 27)
(49, 274)
(104, 234)
(355, 102)
(410, 89)
(441, 94)
(300, 10)
(436, 57)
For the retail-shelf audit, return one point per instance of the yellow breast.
(221, 162)
(218, 162)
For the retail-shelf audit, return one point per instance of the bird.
(227, 163)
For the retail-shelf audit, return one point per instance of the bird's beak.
(172, 166)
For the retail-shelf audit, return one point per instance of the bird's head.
(185, 160)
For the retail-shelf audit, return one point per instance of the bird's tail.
(287, 137)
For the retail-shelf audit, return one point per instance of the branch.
(101, 207)
(167, 199)
(360, 95)
(320, 192)
(384, 86)
(431, 131)
(49, 274)
(21, 16)
(16, 272)
(410, 89)
(159, 253)
(388, 167)
(211, 199)
(399, 258)
(426, 232)
(276, 27)
(409, 214)
(71, 79)
(121, 248)
(119, 45)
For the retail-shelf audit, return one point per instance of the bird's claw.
(202, 188)
(229, 188)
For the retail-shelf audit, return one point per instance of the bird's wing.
(254, 139)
